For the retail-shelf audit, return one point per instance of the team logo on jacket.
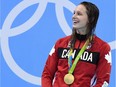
(108, 57)
(91, 57)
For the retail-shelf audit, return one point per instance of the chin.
(76, 27)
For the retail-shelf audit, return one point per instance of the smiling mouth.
(75, 21)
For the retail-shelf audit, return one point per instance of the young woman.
(81, 59)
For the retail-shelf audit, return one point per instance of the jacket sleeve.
(104, 67)
(50, 67)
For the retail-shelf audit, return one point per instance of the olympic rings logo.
(7, 32)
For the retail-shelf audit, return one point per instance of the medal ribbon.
(70, 58)
(72, 66)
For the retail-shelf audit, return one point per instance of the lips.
(75, 21)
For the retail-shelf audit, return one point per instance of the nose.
(74, 16)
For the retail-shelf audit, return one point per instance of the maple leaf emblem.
(52, 51)
(108, 57)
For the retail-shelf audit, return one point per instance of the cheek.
(84, 21)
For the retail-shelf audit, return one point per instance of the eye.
(78, 13)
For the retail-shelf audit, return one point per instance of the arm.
(50, 68)
(104, 67)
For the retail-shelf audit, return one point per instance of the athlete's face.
(80, 19)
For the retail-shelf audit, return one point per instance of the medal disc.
(68, 79)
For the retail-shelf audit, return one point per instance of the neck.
(81, 37)
(82, 31)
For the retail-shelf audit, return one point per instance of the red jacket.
(95, 62)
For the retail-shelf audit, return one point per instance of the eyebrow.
(77, 11)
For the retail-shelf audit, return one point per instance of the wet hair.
(93, 15)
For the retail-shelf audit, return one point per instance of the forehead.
(80, 8)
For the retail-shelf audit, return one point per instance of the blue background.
(31, 48)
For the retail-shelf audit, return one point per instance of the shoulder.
(64, 38)
(63, 41)
(101, 43)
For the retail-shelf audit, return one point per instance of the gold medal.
(68, 79)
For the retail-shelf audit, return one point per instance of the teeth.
(75, 21)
